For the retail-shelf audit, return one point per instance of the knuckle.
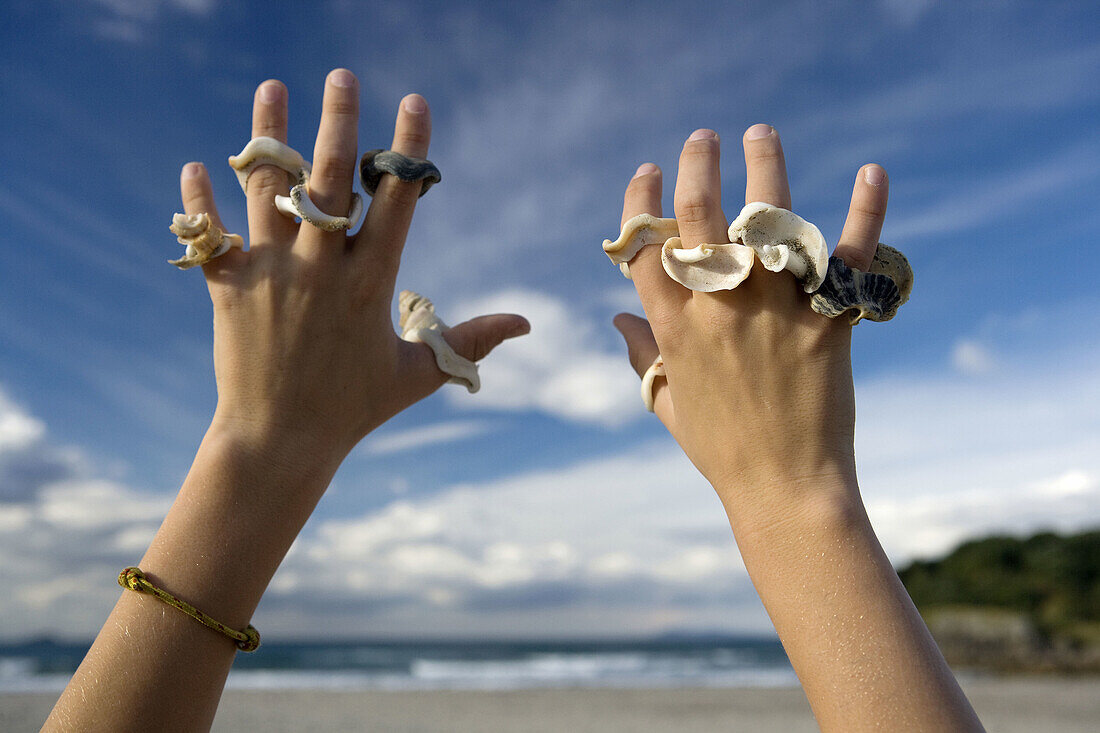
(267, 181)
(334, 169)
(871, 210)
(766, 155)
(412, 141)
(342, 107)
(392, 192)
(695, 206)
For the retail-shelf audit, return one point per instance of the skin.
(759, 395)
(307, 363)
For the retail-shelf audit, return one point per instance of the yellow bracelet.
(132, 578)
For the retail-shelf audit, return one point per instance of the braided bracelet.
(133, 579)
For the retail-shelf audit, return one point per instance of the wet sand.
(1012, 705)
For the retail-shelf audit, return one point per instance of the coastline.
(1015, 704)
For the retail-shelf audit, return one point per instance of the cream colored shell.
(420, 324)
(783, 241)
(707, 267)
(656, 369)
(269, 151)
(639, 231)
(204, 241)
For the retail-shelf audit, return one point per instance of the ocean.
(45, 666)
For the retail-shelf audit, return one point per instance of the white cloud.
(387, 442)
(972, 358)
(18, 430)
(560, 368)
(941, 461)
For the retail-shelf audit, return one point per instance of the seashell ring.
(269, 151)
(420, 324)
(375, 163)
(656, 369)
(204, 240)
(875, 295)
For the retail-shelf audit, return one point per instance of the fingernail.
(192, 170)
(758, 131)
(271, 92)
(703, 135)
(415, 104)
(874, 175)
(342, 78)
(645, 169)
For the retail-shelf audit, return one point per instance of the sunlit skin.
(307, 363)
(759, 395)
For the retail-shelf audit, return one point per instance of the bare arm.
(307, 363)
(759, 395)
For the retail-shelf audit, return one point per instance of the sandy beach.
(1014, 705)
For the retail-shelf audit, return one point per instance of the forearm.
(841, 612)
(239, 509)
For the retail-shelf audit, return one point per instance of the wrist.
(285, 450)
(778, 503)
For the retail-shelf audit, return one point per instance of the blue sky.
(549, 503)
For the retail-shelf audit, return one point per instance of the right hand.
(305, 352)
(759, 387)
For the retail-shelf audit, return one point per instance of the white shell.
(707, 267)
(639, 231)
(269, 151)
(420, 324)
(656, 369)
(784, 241)
(204, 240)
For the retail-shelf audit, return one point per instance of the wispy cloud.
(386, 442)
(972, 203)
(131, 21)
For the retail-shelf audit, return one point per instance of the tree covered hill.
(1010, 602)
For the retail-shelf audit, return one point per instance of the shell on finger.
(375, 163)
(419, 323)
(269, 151)
(656, 369)
(203, 240)
(707, 268)
(783, 241)
(875, 294)
(638, 232)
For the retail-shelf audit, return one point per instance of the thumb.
(641, 347)
(472, 339)
(475, 338)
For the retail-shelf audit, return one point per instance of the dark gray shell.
(876, 294)
(375, 163)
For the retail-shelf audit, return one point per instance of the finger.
(698, 199)
(333, 171)
(198, 198)
(642, 349)
(473, 339)
(765, 167)
(659, 293)
(265, 223)
(859, 239)
(391, 210)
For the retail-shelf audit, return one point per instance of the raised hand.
(758, 385)
(304, 345)
(759, 395)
